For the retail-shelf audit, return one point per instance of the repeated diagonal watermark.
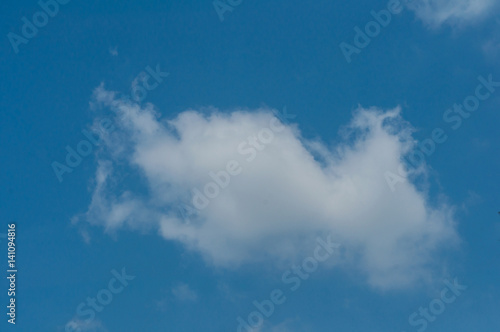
(249, 148)
(372, 29)
(421, 318)
(454, 117)
(292, 277)
(29, 29)
(86, 311)
(223, 6)
(146, 81)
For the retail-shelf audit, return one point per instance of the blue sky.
(187, 98)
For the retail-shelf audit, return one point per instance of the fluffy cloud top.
(244, 187)
(436, 12)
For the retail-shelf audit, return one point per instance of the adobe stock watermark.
(453, 116)
(436, 307)
(142, 84)
(372, 29)
(146, 81)
(293, 277)
(86, 311)
(222, 6)
(29, 29)
(222, 178)
(84, 148)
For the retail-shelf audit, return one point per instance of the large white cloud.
(283, 190)
(454, 12)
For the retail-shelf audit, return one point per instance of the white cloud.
(292, 191)
(454, 12)
(184, 293)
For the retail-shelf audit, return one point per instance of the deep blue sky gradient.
(274, 53)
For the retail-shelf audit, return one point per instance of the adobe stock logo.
(372, 29)
(83, 149)
(146, 81)
(86, 311)
(250, 147)
(294, 277)
(437, 306)
(455, 116)
(222, 6)
(29, 30)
